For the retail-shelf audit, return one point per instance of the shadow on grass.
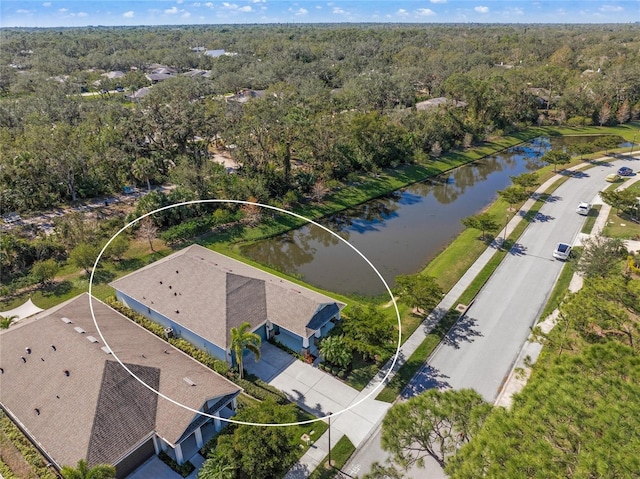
(130, 264)
(57, 289)
(101, 276)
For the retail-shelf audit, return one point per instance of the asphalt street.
(479, 352)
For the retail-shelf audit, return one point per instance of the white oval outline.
(300, 423)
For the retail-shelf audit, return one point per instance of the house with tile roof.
(199, 295)
(61, 384)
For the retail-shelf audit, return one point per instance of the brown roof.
(98, 411)
(209, 293)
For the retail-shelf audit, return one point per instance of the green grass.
(340, 454)
(562, 285)
(588, 225)
(419, 356)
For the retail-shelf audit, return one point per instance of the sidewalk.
(309, 461)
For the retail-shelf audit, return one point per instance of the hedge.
(28, 451)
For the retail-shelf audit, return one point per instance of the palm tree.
(242, 339)
(82, 471)
(216, 470)
(8, 321)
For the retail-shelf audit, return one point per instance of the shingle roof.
(83, 415)
(209, 293)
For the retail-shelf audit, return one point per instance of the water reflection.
(400, 232)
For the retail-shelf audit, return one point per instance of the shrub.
(183, 469)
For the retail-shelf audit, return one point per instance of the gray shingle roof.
(209, 293)
(73, 408)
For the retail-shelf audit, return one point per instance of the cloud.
(63, 10)
(171, 11)
(611, 8)
(481, 9)
(209, 4)
(301, 12)
(185, 15)
(197, 4)
(259, 1)
(425, 12)
(46, 4)
(21, 10)
(82, 14)
(338, 10)
(245, 9)
(129, 14)
(402, 12)
(438, 1)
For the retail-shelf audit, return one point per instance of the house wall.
(135, 459)
(178, 330)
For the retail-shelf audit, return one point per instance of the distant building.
(214, 53)
(112, 75)
(61, 385)
(440, 101)
(138, 94)
(199, 295)
(245, 95)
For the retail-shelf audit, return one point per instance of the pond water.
(401, 232)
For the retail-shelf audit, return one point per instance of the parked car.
(583, 209)
(562, 251)
(612, 178)
(625, 171)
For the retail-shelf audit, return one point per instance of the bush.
(184, 469)
(28, 451)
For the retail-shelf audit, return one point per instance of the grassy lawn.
(340, 454)
(562, 284)
(587, 228)
(621, 226)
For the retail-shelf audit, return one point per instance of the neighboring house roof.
(434, 102)
(156, 77)
(98, 412)
(214, 53)
(113, 74)
(198, 73)
(141, 93)
(246, 95)
(209, 293)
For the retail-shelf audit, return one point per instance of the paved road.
(480, 351)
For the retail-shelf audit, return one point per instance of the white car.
(562, 251)
(583, 209)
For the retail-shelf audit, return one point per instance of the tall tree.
(241, 339)
(513, 195)
(419, 290)
(435, 423)
(555, 158)
(483, 222)
(335, 350)
(600, 256)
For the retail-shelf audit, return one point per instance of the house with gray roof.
(437, 102)
(62, 386)
(199, 295)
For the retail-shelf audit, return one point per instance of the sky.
(78, 13)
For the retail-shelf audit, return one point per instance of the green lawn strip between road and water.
(448, 260)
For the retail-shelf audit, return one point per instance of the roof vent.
(37, 411)
(175, 294)
(189, 381)
(24, 360)
(53, 346)
(67, 320)
(28, 350)
(67, 373)
(79, 329)
(177, 311)
(169, 286)
(92, 339)
(176, 271)
(2, 370)
(42, 359)
(160, 282)
(106, 349)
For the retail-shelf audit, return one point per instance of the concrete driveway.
(318, 392)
